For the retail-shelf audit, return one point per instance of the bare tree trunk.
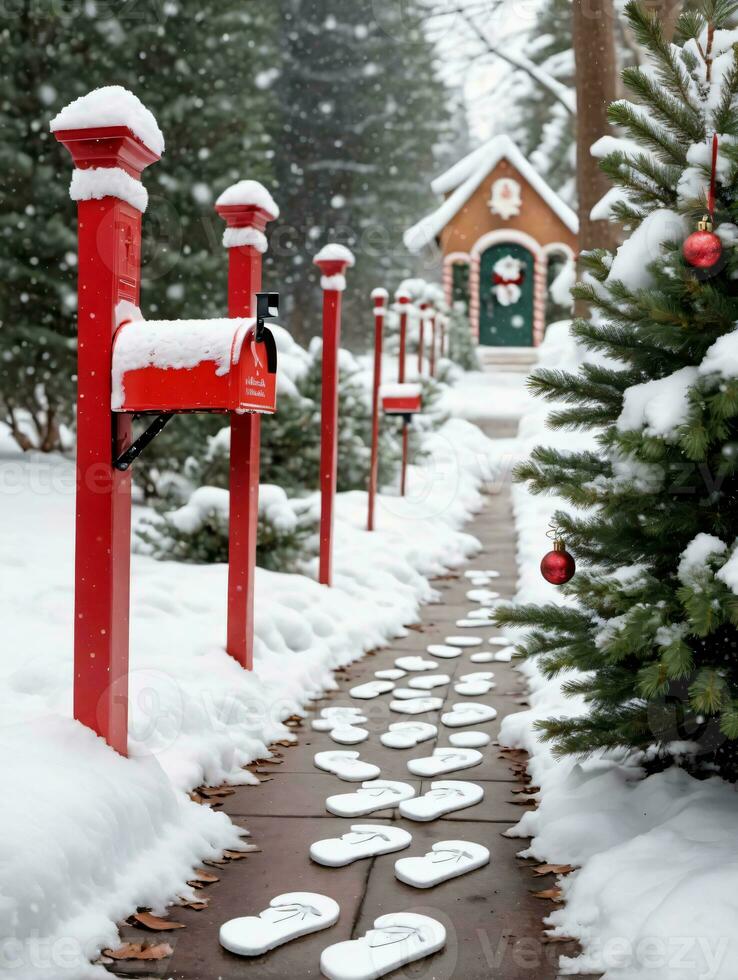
(594, 52)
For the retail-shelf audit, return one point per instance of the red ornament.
(702, 249)
(558, 566)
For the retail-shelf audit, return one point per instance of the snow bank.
(251, 194)
(654, 897)
(86, 836)
(111, 105)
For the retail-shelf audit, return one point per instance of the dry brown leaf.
(147, 920)
(212, 863)
(530, 802)
(204, 877)
(286, 743)
(139, 951)
(553, 869)
(551, 894)
(242, 853)
(197, 904)
(557, 939)
(213, 792)
(266, 779)
(196, 798)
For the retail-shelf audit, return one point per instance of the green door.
(506, 296)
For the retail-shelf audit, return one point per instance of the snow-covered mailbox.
(128, 366)
(403, 399)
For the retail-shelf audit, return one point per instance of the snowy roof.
(250, 193)
(111, 105)
(462, 180)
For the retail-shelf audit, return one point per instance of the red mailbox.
(193, 366)
(128, 365)
(401, 399)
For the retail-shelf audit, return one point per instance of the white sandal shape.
(379, 794)
(416, 706)
(362, 841)
(464, 641)
(372, 689)
(468, 713)
(446, 859)
(407, 734)
(444, 760)
(288, 916)
(349, 734)
(426, 682)
(346, 765)
(444, 651)
(396, 939)
(414, 663)
(445, 796)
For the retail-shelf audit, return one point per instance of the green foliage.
(461, 348)
(652, 634)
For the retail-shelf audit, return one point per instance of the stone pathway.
(492, 919)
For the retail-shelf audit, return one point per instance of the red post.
(432, 364)
(421, 335)
(333, 260)
(380, 297)
(405, 441)
(403, 299)
(247, 208)
(109, 232)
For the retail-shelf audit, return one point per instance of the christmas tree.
(649, 625)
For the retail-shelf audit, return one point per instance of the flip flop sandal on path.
(379, 794)
(446, 859)
(444, 760)
(465, 641)
(426, 682)
(444, 651)
(444, 796)
(417, 706)
(349, 734)
(392, 674)
(407, 734)
(346, 765)
(396, 939)
(362, 841)
(415, 663)
(469, 740)
(468, 713)
(372, 689)
(288, 916)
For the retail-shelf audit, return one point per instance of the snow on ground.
(482, 394)
(655, 898)
(87, 836)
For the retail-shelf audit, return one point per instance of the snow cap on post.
(380, 293)
(333, 260)
(112, 138)
(246, 207)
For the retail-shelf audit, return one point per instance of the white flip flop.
(362, 841)
(446, 859)
(391, 674)
(426, 682)
(469, 740)
(379, 794)
(396, 939)
(499, 641)
(408, 693)
(483, 615)
(372, 689)
(331, 717)
(505, 656)
(444, 796)
(416, 706)
(468, 624)
(468, 713)
(473, 689)
(407, 734)
(414, 663)
(349, 734)
(483, 657)
(346, 765)
(464, 641)
(443, 761)
(443, 651)
(288, 916)
(483, 596)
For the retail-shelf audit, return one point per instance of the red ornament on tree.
(558, 566)
(702, 249)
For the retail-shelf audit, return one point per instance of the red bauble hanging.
(558, 566)
(703, 249)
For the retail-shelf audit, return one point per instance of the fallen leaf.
(266, 779)
(203, 877)
(213, 863)
(210, 792)
(138, 951)
(148, 920)
(197, 904)
(551, 894)
(557, 939)
(240, 854)
(286, 743)
(553, 869)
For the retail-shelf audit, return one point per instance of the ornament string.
(713, 173)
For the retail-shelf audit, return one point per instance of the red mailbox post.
(405, 400)
(246, 208)
(433, 341)
(402, 299)
(333, 260)
(423, 316)
(379, 297)
(128, 365)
